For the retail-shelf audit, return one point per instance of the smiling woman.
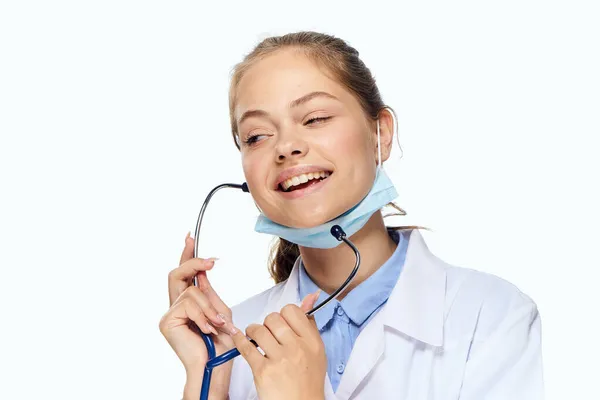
(328, 132)
(313, 133)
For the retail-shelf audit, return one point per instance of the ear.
(386, 131)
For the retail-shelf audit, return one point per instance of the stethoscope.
(215, 360)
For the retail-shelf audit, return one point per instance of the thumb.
(309, 301)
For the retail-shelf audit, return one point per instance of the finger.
(199, 298)
(248, 350)
(188, 254)
(265, 340)
(279, 329)
(215, 299)
(180, 277)
(184, 311)
(188, 249)
(192, 267)
(298, 321)
(309, 301)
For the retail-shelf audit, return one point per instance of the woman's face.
(293, 119)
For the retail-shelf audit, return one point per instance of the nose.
(290, 146)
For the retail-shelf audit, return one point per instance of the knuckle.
(194, 310)
(190, 303)
(172, 274)
(289, 310)
(272, 318)
(192, 291)
(162, 323)
(253, 329)
(187, 302)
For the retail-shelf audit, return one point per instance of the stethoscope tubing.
(213, 359)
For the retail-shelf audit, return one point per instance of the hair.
(343, 63)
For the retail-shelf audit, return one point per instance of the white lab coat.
(445, 333)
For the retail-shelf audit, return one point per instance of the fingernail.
(317, 294)
(212, 329)
(222, 317)
(213, 259)
(233, 330)
(187, 236)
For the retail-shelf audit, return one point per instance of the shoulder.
(488, 288)
(484, 302)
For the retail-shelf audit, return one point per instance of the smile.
(303, 184)
(302, 180)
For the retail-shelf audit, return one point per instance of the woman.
(313, 131)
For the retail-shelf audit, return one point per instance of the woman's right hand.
(192, 308)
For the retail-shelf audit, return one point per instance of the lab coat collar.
(415, 306)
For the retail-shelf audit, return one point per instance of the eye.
(314, 120)
(250, 140)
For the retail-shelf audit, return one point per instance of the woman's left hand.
(294, 364)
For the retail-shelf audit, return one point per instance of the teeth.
(303, 178)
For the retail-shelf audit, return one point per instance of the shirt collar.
(416, 305)
(364, 299)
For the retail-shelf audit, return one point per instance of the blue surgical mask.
(381, 193)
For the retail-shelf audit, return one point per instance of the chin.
(310, 220)
(308, 223)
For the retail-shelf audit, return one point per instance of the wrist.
(219, 383)
(193, 383)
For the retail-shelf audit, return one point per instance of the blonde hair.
(342, 62)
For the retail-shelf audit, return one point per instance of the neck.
(329, 268)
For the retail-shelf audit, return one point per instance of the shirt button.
(340, 312)
(340, 368)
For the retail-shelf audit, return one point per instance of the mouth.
(303, 184)
(302, 181)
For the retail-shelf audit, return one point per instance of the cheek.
(349, 143)
(254, 170)
(249, 167)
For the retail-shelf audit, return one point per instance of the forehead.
(282, 77)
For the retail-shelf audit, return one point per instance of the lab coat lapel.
(367, 351)
(415, 307)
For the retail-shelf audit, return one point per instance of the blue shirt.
(340, 323)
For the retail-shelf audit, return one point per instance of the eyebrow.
(304, 99)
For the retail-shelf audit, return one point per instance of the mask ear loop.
(393, 114)
(379, 146)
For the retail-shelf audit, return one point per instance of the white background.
(114, 127)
